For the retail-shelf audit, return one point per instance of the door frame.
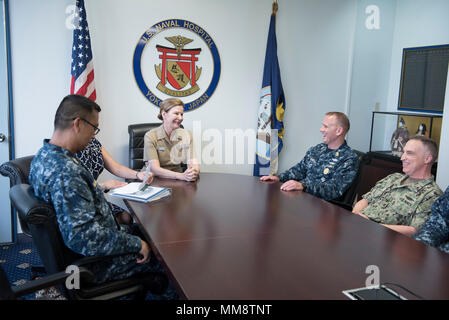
(11, 144)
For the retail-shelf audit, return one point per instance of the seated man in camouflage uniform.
(402, 202)
(328, 168)
(435, 231)
(84, 216)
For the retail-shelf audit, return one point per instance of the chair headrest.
(140, 129)
(17, 170)
(30, 209)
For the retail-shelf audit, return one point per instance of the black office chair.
(17, 171)
(347, 199)
(41, 221)
(136, 142)
(136, 134)
(8, 292)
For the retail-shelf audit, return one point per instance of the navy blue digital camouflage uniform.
(326, 173)
(92, 158)
(435, 231)
(84, 216)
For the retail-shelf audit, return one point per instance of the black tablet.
(373, 293)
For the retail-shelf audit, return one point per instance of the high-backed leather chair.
(17, 171)
(347, 199)
(136, 143)
(136, 135)
(41, 220)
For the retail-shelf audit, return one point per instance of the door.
(7, 223)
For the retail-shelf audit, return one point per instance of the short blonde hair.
(167, 104)
(342, 120)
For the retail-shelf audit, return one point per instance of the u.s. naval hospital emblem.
(180, 60)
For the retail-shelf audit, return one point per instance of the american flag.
(82, 64)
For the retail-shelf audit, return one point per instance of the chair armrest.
(93, 259)
(47, 281)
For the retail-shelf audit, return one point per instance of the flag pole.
(275, 7)
(270, 125)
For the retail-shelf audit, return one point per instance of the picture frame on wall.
(423, 78)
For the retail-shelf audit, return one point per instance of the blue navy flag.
(82, 64)
(270, 125)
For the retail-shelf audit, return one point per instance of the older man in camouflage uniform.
(435, 231)
(328, 168)
(402, 202)
(84, 217)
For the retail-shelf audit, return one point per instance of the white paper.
(132, 191)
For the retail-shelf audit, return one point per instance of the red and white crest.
(178, 68)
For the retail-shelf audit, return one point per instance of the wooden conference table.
(232, 237)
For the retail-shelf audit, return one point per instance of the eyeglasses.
(96, 128)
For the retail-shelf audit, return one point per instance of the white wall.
(240, 44)
(378, 61)
(41, 55)
(314, 48)
(370, 70)
(420, 23)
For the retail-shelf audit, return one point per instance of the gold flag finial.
(275, 7)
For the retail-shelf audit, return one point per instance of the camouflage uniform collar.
(415, 185)
(49, 146)
(344, 145)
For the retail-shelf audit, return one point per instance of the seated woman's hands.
(191, 174)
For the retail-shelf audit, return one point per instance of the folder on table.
(134, 191)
